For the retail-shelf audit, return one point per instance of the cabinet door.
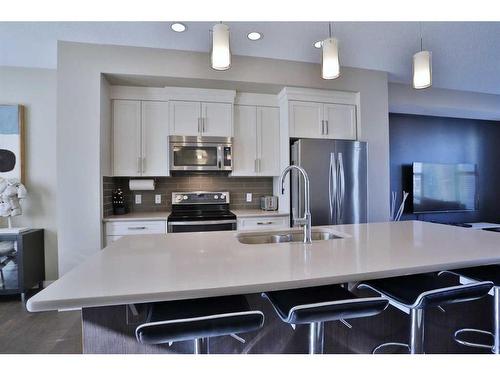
(155, 139)
(340, 121)
(245, 140)
(126, 137)
(268, 141)
(217, 119)
(305, 119)
(184, 118)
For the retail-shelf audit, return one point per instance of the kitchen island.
(141, 269)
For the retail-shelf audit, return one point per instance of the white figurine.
(11, 191)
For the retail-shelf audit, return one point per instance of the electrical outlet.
(249, 197)
(138, 199)
(158, 198)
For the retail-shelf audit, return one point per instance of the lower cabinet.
(116, 229)
(263, 222)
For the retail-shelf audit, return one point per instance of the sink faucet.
(306, 220)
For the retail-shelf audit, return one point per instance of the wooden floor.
(38, 333)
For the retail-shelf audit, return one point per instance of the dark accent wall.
(447, 140)
(237, 187)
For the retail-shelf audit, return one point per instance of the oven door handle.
(206, 222)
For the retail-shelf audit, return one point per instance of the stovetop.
(200, 206)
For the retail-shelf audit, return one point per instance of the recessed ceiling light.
(318, 44)
(178, 27)
(254, 35)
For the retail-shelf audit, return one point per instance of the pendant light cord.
(421, 38)
(330, 29)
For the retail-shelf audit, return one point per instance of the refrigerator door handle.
(332, 188)
(341, 188)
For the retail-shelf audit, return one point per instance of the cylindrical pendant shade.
(422, 70)
(221, 53)
(330, 66)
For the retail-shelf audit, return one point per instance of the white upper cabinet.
(126, 137)
(140, 138)
(245, 140)
(321, 113)
(306, 119)
(256, 142)
(217, 119)
(185, 118)
(340, 121)
(154, 139)
(268, 141)
(201, 119)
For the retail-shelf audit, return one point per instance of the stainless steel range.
(200, 211)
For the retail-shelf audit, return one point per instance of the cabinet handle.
(322, 127)
(199, 126)
(327, 130)
(264, 222)
(255, 166)
(259, 164)
(136, 228)
(138, 164)
(143, 165)
(203, 121)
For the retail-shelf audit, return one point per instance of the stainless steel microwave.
(200, 153)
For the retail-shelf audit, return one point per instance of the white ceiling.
(466, 55)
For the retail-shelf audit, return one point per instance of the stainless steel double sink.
(285, 236)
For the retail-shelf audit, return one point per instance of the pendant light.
(330, 64)
(220, 55)
(422, 67)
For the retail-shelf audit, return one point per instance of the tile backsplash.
(237, 187)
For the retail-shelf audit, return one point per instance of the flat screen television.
(444, 187)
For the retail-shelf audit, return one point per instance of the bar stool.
(316, 305)
(198, 320)
(413, 294)
(476, 274)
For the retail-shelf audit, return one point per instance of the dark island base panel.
(105, 331)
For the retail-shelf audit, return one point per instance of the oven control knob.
(185, 197)
(222, 196)
(178, 198)
(216, 197)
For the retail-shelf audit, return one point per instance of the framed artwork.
(12, 141)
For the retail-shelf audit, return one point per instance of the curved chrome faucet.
(306, 220)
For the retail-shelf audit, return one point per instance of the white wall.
(441, 102)
(78, 113)
(36, 90)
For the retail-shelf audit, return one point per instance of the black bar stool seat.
(483, 273)
(423, 290)
(198, 320)
(316, 305)
(417, 292)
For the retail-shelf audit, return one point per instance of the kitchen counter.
(257, 213)
(147, 268)
(132, 216)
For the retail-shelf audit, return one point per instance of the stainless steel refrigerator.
(337, 173)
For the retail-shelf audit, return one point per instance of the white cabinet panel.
(268, 141)
(340, 121)
(305, 119)
(126, 137)
(263, 223)
(217, 119)
(127, 228)
(245, 140)
(155, 139)
(185, 118)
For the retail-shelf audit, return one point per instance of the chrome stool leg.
(316, 337)
(201, 346)
(496, 320)
(417, 331)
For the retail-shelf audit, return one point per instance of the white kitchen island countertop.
(148, 268)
